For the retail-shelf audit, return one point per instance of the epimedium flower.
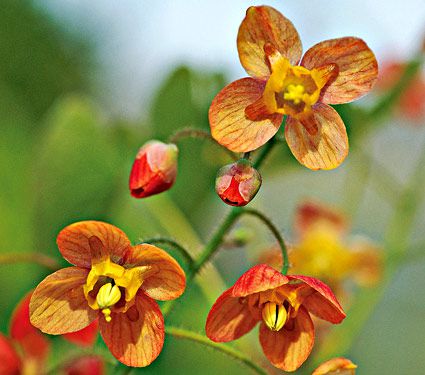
(237, 183)
(282, 304)
(114, 282)
(154, 169)
(248, 112)
(336, 366)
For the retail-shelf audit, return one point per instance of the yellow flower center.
(274, 316)
(108, 296)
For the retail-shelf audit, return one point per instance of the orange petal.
(58, 304)
(167, 281)
(357, 68)
(84, 337)
(265, 25)
(336, 366)
(287, 349)
(10, 364)
(318, 141)
(82, 241)
(257, 279)
(228, 319)
(322, 302)
(230, 125)
(136, 337)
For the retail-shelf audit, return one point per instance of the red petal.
(87, 365)
(265, 25)
(84, 337)
(257, 279)
(318, 141)
(58, 304)
(80, 242)
(357, 68)
(136, 337)
(228, 319)
(230, 125)
(287, 349)
(323, 303)
(10, 364)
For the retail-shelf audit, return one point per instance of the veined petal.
(84, 337)
(287, 349)
(318, 141)
(356, 63)
(336, 366)
(136, 337)
(167, 279)
(265, 25)
(229, 318)
(230, 125)
(58, 304)
(80, 242)
(257, 279)
(10, 364)
(323, 302)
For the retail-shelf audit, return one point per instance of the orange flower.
(249, 111)
(112, 281)
(336, 366)
(283, 305)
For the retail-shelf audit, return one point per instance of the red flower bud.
(236, 184)
(154, 169)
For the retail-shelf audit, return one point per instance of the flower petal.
(167, 280)
(320, 140)
(265, 25)
(356, 63)
(336, 366)
(229, 318)
(89, 364)
(287, 349)
(9, 359)
(136, 337)
(323, 302)
(82, 241)
(84, 337)
(58, 304)
(257, 279)
(230, 125)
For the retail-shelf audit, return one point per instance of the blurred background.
(84, 84)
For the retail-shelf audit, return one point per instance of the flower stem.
(41, 259)
(234, 354)
(276, 233)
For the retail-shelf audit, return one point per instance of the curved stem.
(276, 234)
(41, 259)
(167, 241)
(202, 340)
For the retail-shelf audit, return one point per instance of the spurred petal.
(318, 141)
(230, 125)
(336, 366)
(85, 336)
(229, 318)
(356, 64)
(322, 302)
(58, 304)
(85, 365)
(167, 279)
(136, 337)
(287, 349)
(82, 241)
(257, 279)
(264, 25)
(10, 364)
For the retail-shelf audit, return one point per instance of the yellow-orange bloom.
(336, 366)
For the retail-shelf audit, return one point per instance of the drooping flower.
(283, 305)
(154, 169)
(237, 183)
(249, 111)
(336, 366)
(111, 281)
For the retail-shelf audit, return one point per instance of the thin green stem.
(276, 234)
(41, 259)
(227, 350)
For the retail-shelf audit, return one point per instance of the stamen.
(294, 93)
(274, 316)
(108, 296)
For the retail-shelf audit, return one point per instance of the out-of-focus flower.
(85, 365)
(237, 183)
(114, 282)
(154, 169)
(336, 366)
(412, 100)
(283, 305)
(249, 111)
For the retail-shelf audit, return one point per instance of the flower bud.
(154, 169)
(236, 184)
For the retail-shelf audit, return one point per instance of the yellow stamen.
(294, 93)
(107, 313)
(274, 315)
(108, 296)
